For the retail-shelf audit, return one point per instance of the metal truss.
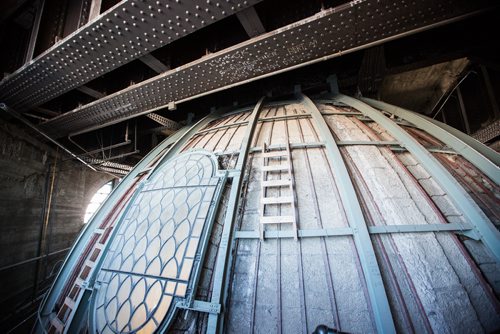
(328, 34)
(126, 32)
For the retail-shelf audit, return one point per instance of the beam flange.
(487, 232)
(371, 270)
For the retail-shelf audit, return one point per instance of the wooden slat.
(277, 200)
(276, 183)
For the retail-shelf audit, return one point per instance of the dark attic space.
(249, 166)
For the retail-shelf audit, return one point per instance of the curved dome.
(288, 215)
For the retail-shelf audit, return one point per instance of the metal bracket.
(200, 306)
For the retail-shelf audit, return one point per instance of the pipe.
(16, 115)
(20, 263)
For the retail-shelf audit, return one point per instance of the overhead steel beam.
(459, 144)
(328, 34)
(90, 92)
(168, 123)
(126, 32)
(34, 30)
(371, 270)
(488, 233)
(95, 9)
(219, 288)
(153, 63)
(251, 22)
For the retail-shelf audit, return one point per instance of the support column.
(487, 232)
(463, 111)
(34, 31)
(224, 257)
(375, 285)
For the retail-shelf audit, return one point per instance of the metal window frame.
(378, 297)
(224, 257)
(177, 140)
(487, 232)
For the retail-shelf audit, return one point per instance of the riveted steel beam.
(371, 270)
(459, 144)
(487, 232)
(168, 123)
(328, 34)
(224, 256)
(126, 32)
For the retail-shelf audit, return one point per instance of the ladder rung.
(277, 200)
(277, 219)
(276, 183)
(275, 154)
(275, 168)
(57, 323)
(70, 303)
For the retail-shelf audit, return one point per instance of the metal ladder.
(286, 180)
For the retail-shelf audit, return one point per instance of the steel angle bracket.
(200, 306)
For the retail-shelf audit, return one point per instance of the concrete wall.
(25, 182)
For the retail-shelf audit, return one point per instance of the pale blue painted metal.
(460, 143)
(177, 140)
(215, 321)
(376, 290)
(343, 231)
(487, 232)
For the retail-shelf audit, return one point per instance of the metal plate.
(125, 32)
(328, 33)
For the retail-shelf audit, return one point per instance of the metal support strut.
(378, 297)
(215, 321)
(488, 233)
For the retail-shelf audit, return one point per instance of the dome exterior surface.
(284, 216)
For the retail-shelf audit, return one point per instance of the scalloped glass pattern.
(150, 260)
